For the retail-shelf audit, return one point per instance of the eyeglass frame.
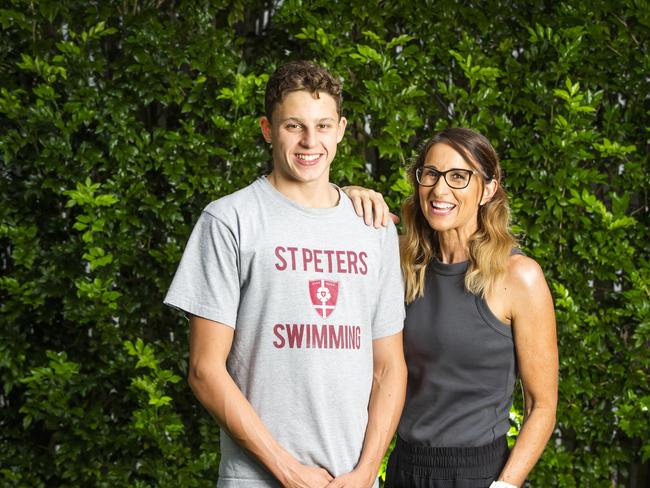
(418, 174)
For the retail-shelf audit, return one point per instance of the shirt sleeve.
(389, 312)
(206, 282)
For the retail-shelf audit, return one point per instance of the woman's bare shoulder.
(524, 271)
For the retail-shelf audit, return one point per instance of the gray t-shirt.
(306, 290)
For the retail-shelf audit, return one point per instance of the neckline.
(450, 269)
(278, 196)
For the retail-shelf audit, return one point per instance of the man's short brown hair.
(301, 75)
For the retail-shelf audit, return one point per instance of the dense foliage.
(120, 120)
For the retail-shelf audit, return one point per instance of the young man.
(296, 309)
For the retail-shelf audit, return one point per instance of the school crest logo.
(324, 294)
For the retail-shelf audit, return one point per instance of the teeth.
(443, 206)
(308, 157)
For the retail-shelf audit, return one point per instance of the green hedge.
(120, 120)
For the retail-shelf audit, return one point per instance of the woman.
(479, 313)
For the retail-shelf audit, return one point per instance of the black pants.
(416, 466)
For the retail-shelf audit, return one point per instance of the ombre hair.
(489, 247)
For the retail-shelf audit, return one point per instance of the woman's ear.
(489, 189)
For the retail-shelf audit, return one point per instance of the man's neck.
(315, 194)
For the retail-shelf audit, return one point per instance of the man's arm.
(384, 410)
(210, 344)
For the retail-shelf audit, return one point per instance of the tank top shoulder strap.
(516, 250)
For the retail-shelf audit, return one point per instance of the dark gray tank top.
(461, 365)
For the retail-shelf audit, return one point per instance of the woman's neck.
(452, 247)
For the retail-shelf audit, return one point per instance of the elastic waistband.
(452, 462)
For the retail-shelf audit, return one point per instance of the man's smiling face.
(304, 131)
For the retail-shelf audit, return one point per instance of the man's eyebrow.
(297, 119)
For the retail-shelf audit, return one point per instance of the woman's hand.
(370, 205)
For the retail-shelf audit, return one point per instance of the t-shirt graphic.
(324, 294)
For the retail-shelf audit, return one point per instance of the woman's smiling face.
(447, 208)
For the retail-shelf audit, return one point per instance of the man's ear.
(489, 189)
(343, 122)
(265, 125)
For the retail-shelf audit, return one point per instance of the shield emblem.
(324, 294)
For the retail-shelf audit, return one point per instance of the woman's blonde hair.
(489, 247)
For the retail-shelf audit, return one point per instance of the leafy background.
(120, 120)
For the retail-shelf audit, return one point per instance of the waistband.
(451, 462)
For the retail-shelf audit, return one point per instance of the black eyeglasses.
(457, 178)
